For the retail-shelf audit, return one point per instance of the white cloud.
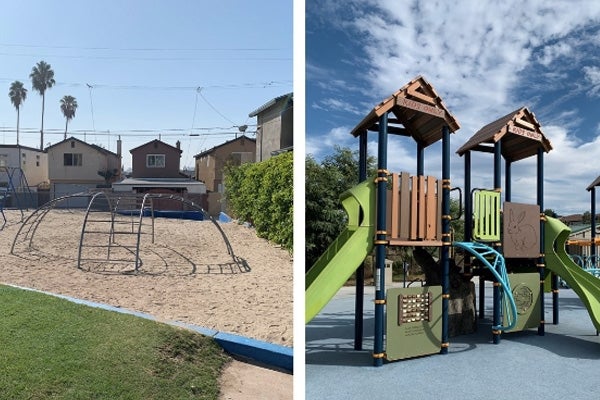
(331, 104)
(474, 53)
(592, 75)
(321, 144)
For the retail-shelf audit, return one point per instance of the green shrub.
(262, 194)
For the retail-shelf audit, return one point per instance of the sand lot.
(185, 275)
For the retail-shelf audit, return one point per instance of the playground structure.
(511, 244)
(14, 191)
(113, 228)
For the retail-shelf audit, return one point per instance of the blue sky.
(145, 61)
(485, 59)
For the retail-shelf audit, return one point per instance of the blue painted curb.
(269, 354)
(266, 353)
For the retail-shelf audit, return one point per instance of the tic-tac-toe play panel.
(413, 322)
(526, 292)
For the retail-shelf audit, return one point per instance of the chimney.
(119, 158)
(119, 147)
(178, 144)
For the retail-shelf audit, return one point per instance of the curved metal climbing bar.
(498, 268)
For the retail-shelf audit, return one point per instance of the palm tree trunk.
(42, 130)
(66, 125)
(18, 125)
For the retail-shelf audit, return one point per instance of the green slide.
(583, 283)
(346, 253)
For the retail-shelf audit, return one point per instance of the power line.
(208, 58)
(202, 131)
(253, 85)
(199, 91)
(91, 105)
(144, 48)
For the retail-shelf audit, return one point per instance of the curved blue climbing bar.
(498, 268)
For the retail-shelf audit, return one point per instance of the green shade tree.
(324, 183)
(17, 94)
(68, 106)
(42, 79)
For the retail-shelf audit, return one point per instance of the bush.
(262, 194)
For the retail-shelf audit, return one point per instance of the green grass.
(51, 348)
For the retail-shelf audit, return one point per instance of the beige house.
(25, 165)
(210, 163)
(275, 126)
(76, 166)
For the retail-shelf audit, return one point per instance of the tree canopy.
(325, 182)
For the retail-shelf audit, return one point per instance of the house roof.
(94, 146)
(157, 141)
(572, 218)
(18, 146)
(419, 112)
(271, 103)
(520, 132)
(158, 182)
(205, 152)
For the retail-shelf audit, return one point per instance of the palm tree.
(42, 78)
(17, 94)
(68, 105)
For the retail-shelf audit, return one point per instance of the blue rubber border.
(253, 350)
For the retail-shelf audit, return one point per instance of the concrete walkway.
(562, 364)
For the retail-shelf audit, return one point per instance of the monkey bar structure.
(113, 227)
(15, 185)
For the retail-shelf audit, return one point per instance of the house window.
(73, 159)
(155, 160)
(72, 144)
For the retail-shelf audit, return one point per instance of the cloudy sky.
(485, 59)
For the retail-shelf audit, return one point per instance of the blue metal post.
(593, 211)
(446, 240)
(360, 272)
(497, 299)
(468, 199)
(468, 231)
(380, 242)
(541, 260)
(507, 180)
(420, 158)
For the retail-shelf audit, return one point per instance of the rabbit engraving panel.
(521, 230)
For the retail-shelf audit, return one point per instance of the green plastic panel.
(526, 292)
(486, 216)
(413, 322)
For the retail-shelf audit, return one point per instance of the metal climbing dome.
(14, 191)
(114, 226)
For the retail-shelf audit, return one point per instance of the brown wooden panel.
(394, 228)
(389, 221)
(421, 207)
(414, 215)
(521, 230)
(427, 243)
(404, 220)
(439, 210)
(431, 209)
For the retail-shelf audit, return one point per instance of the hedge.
(262, 194)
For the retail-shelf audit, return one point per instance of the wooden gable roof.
(418, 110)
(520, 132)
(594, 184)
